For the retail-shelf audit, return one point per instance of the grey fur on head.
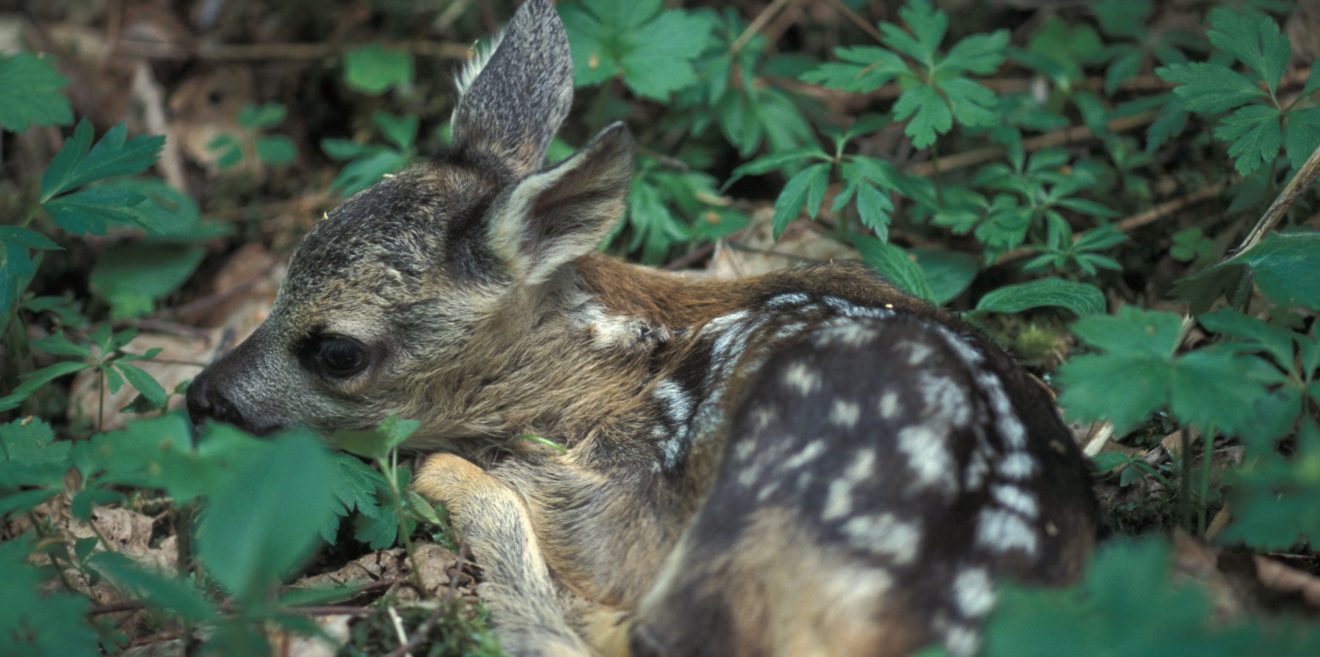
(513, 103)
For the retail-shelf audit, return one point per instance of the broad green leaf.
(365, 171)
(1122, 388)
(400, 131)
(37, 620)
(132, 276)
(1209, 390)
(276, 150)
(1284, 266)
(949, 273)
(1080, 298)
(31, 441)
(1132, 331)
(57, 344)
(773, 162)
(373, 69)
(114, 155)
(661, 63)
(259, 117)
(1253, 135)
(1276, 341)
(896, 266)
(31, 93)
(247, 538)
(605, 43)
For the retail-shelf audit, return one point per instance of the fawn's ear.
(558, 215)
(513, 98)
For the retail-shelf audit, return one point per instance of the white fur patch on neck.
(611, 331)
(475, 64)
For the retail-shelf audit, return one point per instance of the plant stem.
(390, 469)
(1207, 459)
(1185, 479)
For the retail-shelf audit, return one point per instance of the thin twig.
(758, 23)
(1165, 209)
(398, 627)
(855, 19)
(262, 51)
(1056, 138)
(1305, 176)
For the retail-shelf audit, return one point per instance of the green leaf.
(979, 53)
(605, 43)
(661, 63)
(1080, 298)
(1278, 342)
(973, 105)
(114, 155)
(31, 441)
(31, 93)
(789, 203)
(1132, 331)
(144, 383)
(864, 69)
(1284, 267)
(1209, 88)
(400, 131)
(929, 112)
(1255, 40)
(276, 150)
(1253, 135)
(949, 273)
(896, 266)
(94, 211)
(873, 209)
(32, 381)
(1124, 389)
(773, 162)
(1209, 390)
(169, 594)
(132, 276)
(927, 25)
(36, 619)
(373, 69)
(247, 538)
(367, 170)
(1302, 135)
(260, 117)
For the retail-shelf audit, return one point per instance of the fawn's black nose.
(206, 400)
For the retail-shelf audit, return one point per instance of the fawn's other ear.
(513, 99)
(561, 214)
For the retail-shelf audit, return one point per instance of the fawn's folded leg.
(493, 521)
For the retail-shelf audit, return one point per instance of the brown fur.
(803, 463)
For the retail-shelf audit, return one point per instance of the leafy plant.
(368, 163)
(650, 48)
(272, 150)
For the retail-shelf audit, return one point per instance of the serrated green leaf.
(169, 594)
(788, 206)
(1122, 388)
(1208, 87)
(398, 130)
(979, 53)
(1132, 331)
(948, 273)
(373, 69)
(864, 69)
(1253, 135)
(973, 105)
(37, 621)
(929, 112)
(773, 162)
(94, 211)
(34, 380)
(1208, 390)
(114, 155)
(873, 209)
(927, 26)
(604, 44)
(31, 93)
(1255, 40)
(1276, 341)
(31, 441)
(1302, 135)
(1080, 298)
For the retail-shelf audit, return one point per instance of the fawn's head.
(434, 267)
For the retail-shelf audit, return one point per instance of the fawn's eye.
(340, 357)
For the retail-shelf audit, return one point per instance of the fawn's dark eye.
(340, 357)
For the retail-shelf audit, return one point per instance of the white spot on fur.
(838, 501)
(1018, 465)
(811, 452)
(977, 469)
(845, 332)
(1015, 498)
(974, 593)
(961, 641)
(884, 534)
(1002, 531)
(802, 378)
(943, 396)
(888, 405)
(766, 491)
(928, 457)
(918, 352)
(845, 413)
(850, 309)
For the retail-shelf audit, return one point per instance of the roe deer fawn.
(804, 463)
